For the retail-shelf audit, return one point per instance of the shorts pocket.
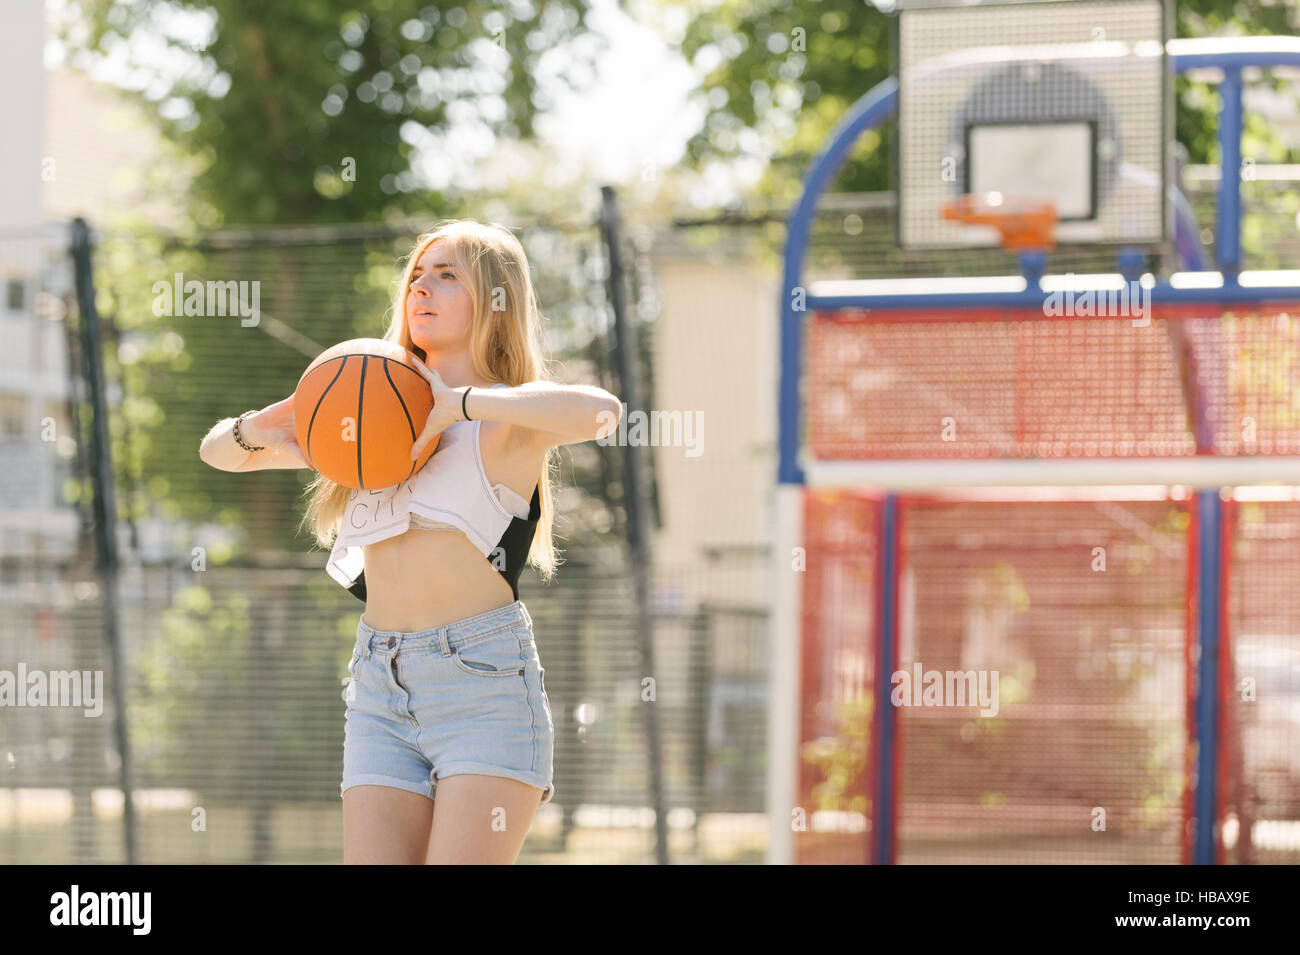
(350, 681)
(496, 656)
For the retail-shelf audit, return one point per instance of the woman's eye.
(452, 274)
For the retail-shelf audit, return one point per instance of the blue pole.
(886, 722)
(1209, 529)
(1129, 260)
(1033, 264)
(1228, 241)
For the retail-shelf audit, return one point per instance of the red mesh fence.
(838, 667)
(1079, 608)
(1165, 381)
(1260, 751)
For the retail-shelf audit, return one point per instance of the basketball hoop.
(1024, 224)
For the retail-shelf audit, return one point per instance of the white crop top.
(451, 491)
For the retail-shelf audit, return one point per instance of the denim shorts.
(466, 697)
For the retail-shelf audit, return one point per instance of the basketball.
(357, 411)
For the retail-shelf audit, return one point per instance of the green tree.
(311, 111)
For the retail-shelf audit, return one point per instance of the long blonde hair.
(506, 345)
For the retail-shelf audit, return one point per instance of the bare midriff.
(423, 579)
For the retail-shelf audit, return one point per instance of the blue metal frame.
(871, 111)
(879, 105)
(1227, 246)
(868, 113)
(1033, 297)
(1210, 562)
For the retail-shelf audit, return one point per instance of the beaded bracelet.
(239, 438)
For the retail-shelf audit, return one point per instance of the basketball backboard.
(1062, 101)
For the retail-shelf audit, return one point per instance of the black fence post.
(104, 511)
(633, 502)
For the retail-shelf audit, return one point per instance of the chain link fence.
(236, 641)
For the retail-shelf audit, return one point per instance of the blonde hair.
(506, 345)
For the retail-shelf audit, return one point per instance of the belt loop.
(445, 640)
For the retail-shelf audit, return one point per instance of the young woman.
(447, 691)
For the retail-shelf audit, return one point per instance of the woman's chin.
(428, 344)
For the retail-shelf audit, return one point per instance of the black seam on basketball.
(414, 371)
(335, 358)
(361, 397)
(409, 423)
(311, 424)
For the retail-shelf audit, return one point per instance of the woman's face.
(439, 310)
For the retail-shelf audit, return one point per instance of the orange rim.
(1022, 223)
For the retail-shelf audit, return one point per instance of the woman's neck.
(455, 369)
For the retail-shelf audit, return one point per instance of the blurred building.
(715, 359)
(73, 147)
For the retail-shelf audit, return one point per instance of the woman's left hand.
(446, 408)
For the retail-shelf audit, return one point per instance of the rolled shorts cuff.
(486, 769)
(375, 779)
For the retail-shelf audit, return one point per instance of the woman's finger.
(430, 429)
(421, 367)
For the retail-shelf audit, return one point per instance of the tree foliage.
(310, 111)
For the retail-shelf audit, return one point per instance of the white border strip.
(785, 651)
(1114, 492)
(956, 284)
(1274, 278)
(931, 475)
(1190, 46)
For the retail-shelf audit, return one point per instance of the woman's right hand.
(272, 428)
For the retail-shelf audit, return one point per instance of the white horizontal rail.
(929, 475)
(1053, 282)
(1256, 45)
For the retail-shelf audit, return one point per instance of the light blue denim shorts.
(467, 697)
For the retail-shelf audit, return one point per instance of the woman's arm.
(553, 413)
(271, 429)
(561, 414)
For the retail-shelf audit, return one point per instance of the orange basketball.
(357, 411)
